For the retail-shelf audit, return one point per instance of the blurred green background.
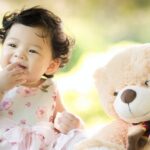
(96, 25)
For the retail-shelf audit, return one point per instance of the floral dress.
(26, 116)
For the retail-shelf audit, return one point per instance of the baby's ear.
(53, 66)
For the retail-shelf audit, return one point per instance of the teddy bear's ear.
(100, 77)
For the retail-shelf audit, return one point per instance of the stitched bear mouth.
(133, 114)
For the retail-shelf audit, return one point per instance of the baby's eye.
(147, 83)
(115, 93)
(33, 51)
(12, 45)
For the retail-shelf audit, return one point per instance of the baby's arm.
(11, 76)
(65, 121)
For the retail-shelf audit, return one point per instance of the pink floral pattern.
(25, 91)
(23, 122)
(6, 104)
(40, 112)
(28, 104)
(27, 118)
(10, 113)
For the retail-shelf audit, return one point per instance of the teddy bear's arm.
(111, 137)
(115, 132)
(97, 144)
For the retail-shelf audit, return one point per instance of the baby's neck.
(34, 84)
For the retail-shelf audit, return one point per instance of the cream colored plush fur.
(127, 70)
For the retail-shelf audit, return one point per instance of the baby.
(34, 47)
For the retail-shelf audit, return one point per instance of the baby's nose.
(19, 55)
(128, 96)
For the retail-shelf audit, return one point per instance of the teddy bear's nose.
(128, 96)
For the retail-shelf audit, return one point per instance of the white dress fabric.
(26, 116)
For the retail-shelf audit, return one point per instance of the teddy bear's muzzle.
(132, 104)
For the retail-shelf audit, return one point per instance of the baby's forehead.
(35, 31)
(28, 35)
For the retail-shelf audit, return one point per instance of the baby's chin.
(31, 83)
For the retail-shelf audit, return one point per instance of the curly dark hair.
(40, 17)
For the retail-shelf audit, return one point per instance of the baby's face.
(26, 46)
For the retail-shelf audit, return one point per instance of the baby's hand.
(11, 76)
(65, 121)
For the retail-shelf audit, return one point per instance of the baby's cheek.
(4, 62)
(30, 77)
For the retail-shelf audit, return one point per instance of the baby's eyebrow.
(38, 46)
(12, 38)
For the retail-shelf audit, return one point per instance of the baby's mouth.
(22, 66)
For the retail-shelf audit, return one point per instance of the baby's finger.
(21, 81)
(12, 66)
(18, 72)
(68, 116)
(57, 118)
(60, 117)
(58, 121)
(62, 127)
(20, 75)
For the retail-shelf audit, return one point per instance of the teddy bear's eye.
(147, 83)
(115, 93)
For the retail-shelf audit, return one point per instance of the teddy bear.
(123, 84)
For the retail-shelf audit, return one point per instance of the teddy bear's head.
(124, 84)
